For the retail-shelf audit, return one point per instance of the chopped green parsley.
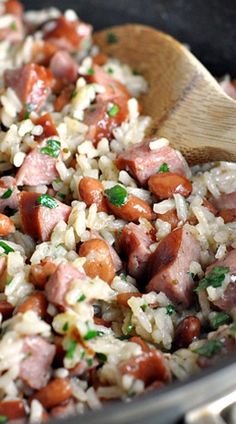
(65, 327)
(117, 195)
(112, 38)
(52, 149)
(71, 349)
(112, 112)
(210, 348)
(7, 249)
(90, 71)
(102, 357)
(164, 168)
(7, 193)
(47, 201)
(219, 319)
(214, 279)
(170, 309)
(81, 298)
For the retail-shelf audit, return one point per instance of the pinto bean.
(12, 409)
(56, 392)
(169, 216)
(165, 184)
(6, 225)
(228, 215)
(35, 302)
(149, 367)
(91, 191)
(98, 259)
(40, 273)
(6, 309)
(186, 331)
(122, 298)
(132, 210)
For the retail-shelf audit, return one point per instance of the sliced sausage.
(49, 129)
(224, 201)
(40, 273)
(13, 409)
(68, 35)
(6, 309)
(37, 168)
(165, 184)
(8, 193)
(148, 367)
(169, 266)
(98, 259)
(35, 302)
(38, 221)
(228, 215)
(6, 225)
(32, 84)
(142, 162)
(64, 67)
(42, 52)
(35, 367)
(64, 98)
(135, 243)
(14, 7)
(59, 283)
(56, 392)
(91, 191)
(228, 300)
(132, 210)
(186, 331)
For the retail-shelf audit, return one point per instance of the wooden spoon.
(186, 103)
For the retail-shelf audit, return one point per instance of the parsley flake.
(7, 249)
(164, 167)
(71, 349)
(112, 112)
(3, 419)
(102, 357)
(210, 348)
(117, 195)
(90, 71)
(13, 26)
(52, 149)
(47, 201)
(214, 279)
(110, 71)
(7, 193)
(29, 107)
(81, 298)
(219, 319)
(65, 327)
(129, 328)
(170, 309)
(112, 38)
(91, 334)
(89, 362)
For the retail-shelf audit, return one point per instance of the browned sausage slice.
(37, 169)
(38, 221)
(35, 368)
(6, 309)
(135, 243)
(169, 266)
(142, 162)
(12, 409)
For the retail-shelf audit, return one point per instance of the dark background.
(209, 26)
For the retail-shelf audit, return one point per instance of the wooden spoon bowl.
(186, 103)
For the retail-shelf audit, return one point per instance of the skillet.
(208, 26)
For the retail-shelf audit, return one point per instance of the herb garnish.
(81, 298)
(13, 26)
(215, 278)
(89, 362)
(29, 107)
(112, 112)
(102, 357)
(219, 319)
(65, 326)
(7, 193)
(210, 348)
(91, 334)
(7, 249)
(164, 167)
(47, 201)
(170, 309)
(117, 195)
(144, 307)
(112, 38)
(90, 71)
(53, 148)
(110, 71)
(71, 349)
(3, 419)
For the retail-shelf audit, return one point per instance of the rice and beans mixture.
(117, 261)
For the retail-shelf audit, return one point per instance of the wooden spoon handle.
(185, 102)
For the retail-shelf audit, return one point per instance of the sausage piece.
(49, 129)
(91, 191)
(135, 243)
(169, 266)
(142, 162)
(165, 184)
(37, 168)
(64, 67)
(132, 210)
(38, 221)
(98, 259)
(6, 225)
(6, 309)
(56, 392)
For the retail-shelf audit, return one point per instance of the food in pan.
(117, 261)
